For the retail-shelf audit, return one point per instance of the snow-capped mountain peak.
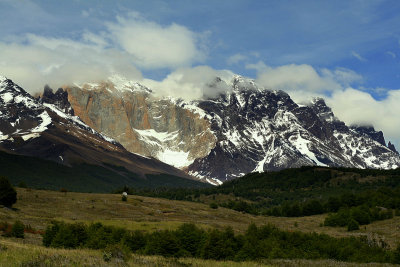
(246, 129)
(123, 84)
(47, 128)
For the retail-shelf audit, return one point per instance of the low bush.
(17, 229)
(13, 230)
(353, 225)
(213, 205)
(190, 241)
(8, 195)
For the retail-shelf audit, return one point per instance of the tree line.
(191, 241)
(303, 191)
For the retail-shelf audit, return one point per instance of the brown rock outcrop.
(143, 124)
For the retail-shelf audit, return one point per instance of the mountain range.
(245, 129)
(38, 129)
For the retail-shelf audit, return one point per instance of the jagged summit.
(392, 147)
(123, 84)
(59, 99)
(40, 128)
(248, 128)
(116, 84)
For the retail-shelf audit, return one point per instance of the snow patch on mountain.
(167, 151)
(46, 121)
(77, 121)
(178, 159)
(123, 84)
(26, 137)
(161, 137)
(7, 97)
(302, 145)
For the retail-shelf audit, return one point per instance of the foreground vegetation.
(36, 209)
(17, 254)
(266, 242)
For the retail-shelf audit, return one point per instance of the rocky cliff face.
(36, 128)
(261, 130)
(158, 128)
(244, 130)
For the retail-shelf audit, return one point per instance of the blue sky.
(341, 50)
(363, 36)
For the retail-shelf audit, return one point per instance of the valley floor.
(38, 208)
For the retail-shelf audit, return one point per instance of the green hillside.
(44, 174)
(347, 194)
(103, 222)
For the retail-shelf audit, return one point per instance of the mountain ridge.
(39, 129)
(246, 129)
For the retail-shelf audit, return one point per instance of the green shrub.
(17, 229)
(164, 243)
(397, 254)
(341, 218)
(361, 215)
(124, 198)
(190, 241)
(312, 207)
(353, 225)
(397, 212)
(22, 184)
(6, 229)
(213, 205)
(134, 240)
(8, 195)
(62, 235)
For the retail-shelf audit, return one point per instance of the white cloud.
(33, 60)
(259, 66)
(350, 105)
(156, 46)
(298, 78)
(37, 61)
(235, 59)
(358, 56)
(192, 83)
(390, 53)
(356, 107)
(343, 76)
(303, 82)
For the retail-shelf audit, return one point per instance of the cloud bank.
(357, 107)
(154, 46)
(353, 106)
(125, 46)
(57, 62)
(192, 83)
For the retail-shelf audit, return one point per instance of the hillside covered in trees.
(348, 194)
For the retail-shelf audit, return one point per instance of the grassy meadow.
(38, 208)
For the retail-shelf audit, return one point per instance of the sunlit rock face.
(143, 124)
(45, 127)
(246, 129)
